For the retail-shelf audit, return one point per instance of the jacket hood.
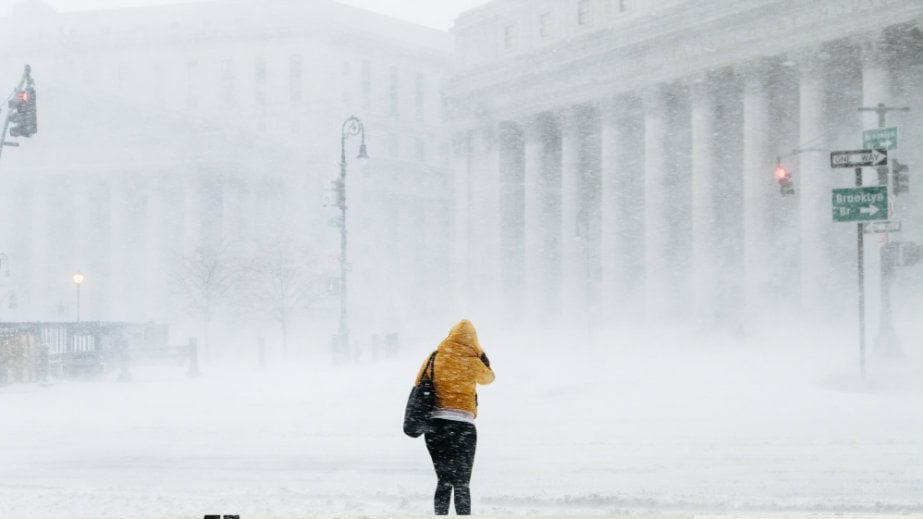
(462, 337)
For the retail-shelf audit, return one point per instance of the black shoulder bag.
(421, 402)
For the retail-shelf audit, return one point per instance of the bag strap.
(431, 365)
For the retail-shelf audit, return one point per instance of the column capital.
(615, 107)
(570, 118)
(654, 97)
(753, 75)
(873, 47)
(535, 126)
(461, 142)
(486, 134)
(701, 86)
(809, 62)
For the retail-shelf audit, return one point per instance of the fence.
(37, 351)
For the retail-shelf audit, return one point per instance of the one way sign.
(858, 158)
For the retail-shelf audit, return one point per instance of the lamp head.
(363, 156)
(78, 278)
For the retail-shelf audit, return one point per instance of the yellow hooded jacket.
(458, 368)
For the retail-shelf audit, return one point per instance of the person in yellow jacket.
(460, 365)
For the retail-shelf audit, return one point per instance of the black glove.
(485, 360)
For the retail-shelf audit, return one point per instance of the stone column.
(159, 262)
(193, 214)
(461, 257)
(489, 219)
(876, 81)
(535, 259)
(656, 204)
(247, 206)
(121, 296)
(572, 280)
(758, 188)
(85, 243)
(616, 189)
(7, 215)
(232, 209)
(815, 182)
(705, 185)
(40, 303)
(485, 218)
(8, 251)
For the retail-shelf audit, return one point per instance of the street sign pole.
(860, 235)
(860, 205)
(887, 138)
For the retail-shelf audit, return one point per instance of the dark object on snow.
(420, 403)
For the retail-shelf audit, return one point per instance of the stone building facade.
(166, 129)
(614, 159)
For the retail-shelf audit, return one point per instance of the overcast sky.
(433, 13)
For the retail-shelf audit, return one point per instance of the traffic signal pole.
(26, 80)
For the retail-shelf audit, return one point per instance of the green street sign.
(860, 204)
(880, 138)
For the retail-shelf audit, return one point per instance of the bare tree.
(280, 279)
(206, 278)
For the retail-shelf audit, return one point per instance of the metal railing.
(39, 351)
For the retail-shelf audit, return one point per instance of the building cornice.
(662, 48)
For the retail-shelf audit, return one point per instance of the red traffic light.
(785, 180)
(22, 116)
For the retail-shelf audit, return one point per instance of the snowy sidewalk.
(648, 432)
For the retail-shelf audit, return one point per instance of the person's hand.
(485, 360)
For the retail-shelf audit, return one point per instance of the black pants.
(451, 446)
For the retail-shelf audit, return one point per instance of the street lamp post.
(352, 126)
(78, 280)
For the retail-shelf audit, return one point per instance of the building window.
(366, 85)
(509, 36)
(420, 91)
(294, 79)
(228, 93)
(157, 83)
(121, 74)
(192, 73)
(346, 84)
(259, 83)
(544, 25)
(394, 145)
(583, 12)
(616, 6)
(420, 149)
(393, 92)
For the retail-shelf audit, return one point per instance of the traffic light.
(899, 177)
(910, 253)
(23, 114)
(785, 180)
(882, 175)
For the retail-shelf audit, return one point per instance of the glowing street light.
(78, 280)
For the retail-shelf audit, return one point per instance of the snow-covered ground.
(634, 426)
